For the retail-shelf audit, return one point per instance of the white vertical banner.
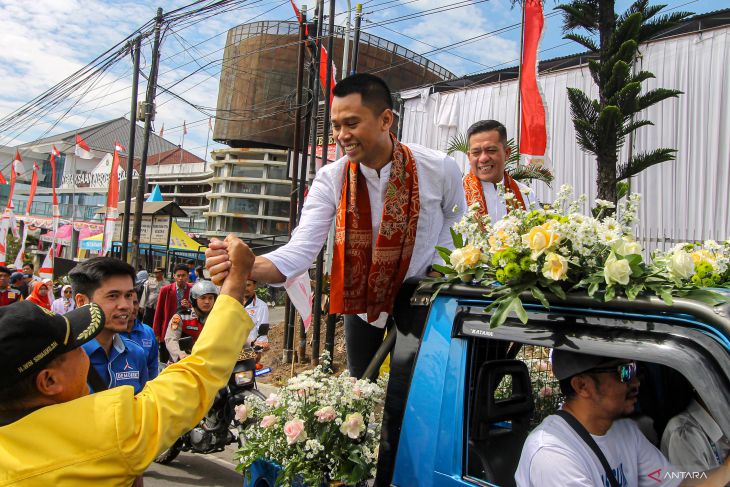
(299, 290)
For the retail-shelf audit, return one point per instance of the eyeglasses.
(626, 372)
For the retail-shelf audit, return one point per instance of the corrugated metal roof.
(101, 137)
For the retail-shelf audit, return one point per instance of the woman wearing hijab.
(65, 303)
(39, 295)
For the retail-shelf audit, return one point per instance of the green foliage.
(519, 172)
(602, 125)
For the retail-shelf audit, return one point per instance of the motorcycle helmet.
(201, 288)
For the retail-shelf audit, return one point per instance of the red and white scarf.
(475, 193)
(363, 280)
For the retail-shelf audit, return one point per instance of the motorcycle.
(219, 428)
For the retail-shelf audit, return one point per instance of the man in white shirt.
(392, 204)
(693, 440)
(600, 393)
(488, 154)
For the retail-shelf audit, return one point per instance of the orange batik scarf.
(475, 193)
(363, 280)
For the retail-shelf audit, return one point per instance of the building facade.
(250, 193)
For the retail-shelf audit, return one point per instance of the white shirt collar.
(118, 343)
(706, 422)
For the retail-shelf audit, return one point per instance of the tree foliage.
(602, 125)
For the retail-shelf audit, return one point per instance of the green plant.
(602, 125)
(520, 172)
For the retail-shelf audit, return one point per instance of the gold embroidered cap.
(32, 336)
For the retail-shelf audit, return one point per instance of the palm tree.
(520, 172)
(602, 125)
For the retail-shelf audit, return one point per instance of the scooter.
(219, 427)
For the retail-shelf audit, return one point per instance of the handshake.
(229, 262)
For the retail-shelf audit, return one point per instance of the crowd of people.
(391, 204)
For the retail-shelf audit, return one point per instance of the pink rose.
(357, 391)
(353, 425)
(294, 431)
(269, 421)
(543, 366)
(326, 414)
(241, 413)
(546, 391)
(273, 400)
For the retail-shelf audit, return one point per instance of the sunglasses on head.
(626, 372)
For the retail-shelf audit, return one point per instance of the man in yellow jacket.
(53, 433)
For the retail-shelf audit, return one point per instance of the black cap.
(566, 364)
(16, 276)
(32, 336)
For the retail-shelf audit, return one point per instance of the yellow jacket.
(111, 437)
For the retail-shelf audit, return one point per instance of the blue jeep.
(463, 397)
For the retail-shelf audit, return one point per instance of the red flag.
(112, 201)
(46, 270)
(162, 130)
(533, 133)
(323, 60)
(13, 177)
(82, 149)
(33, 186)
(2, 179)
(18, 163)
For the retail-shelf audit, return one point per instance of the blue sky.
(46, 40)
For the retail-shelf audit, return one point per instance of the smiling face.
(363, 134)
(487, 156)
(116, 296)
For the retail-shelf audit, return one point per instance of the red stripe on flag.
(533, 133)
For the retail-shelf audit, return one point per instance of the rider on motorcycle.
(259, 312)
(189, 323)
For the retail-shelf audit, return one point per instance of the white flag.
(299, 290)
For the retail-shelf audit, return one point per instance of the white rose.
(617, 271)
(627, 246)
(681, 264)
(353, 426)
(465, 257)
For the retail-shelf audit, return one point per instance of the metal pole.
(302, 348)
(289, 330)
(130, 150)
(151, 88)
(346, 44)
(356, 40)
(317, 302)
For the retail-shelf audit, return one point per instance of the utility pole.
(302, 348)
(130, 149)
(149, 113)
(295, 168)
(317, 302)
(356, 40)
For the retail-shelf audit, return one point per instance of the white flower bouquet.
(705, 264)
(558, 249)
(319, 428)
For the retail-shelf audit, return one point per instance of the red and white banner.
(20, 257)
(162, 130)
(33, 187)
(533, 131)
(18, 165)
(82, 149)
(46, 270)
(2, 179)
(299, 289)
(112, 201)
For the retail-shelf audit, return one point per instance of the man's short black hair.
(29, 264)
(180, 267)
(191, 261)
(88, 276)
(5, 270)
(373, 90)
(488, 126)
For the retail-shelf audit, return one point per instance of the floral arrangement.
(705, 264)
(319, 428)
(558, 249)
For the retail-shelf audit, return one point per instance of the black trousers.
(148, 318)
(362, 341)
